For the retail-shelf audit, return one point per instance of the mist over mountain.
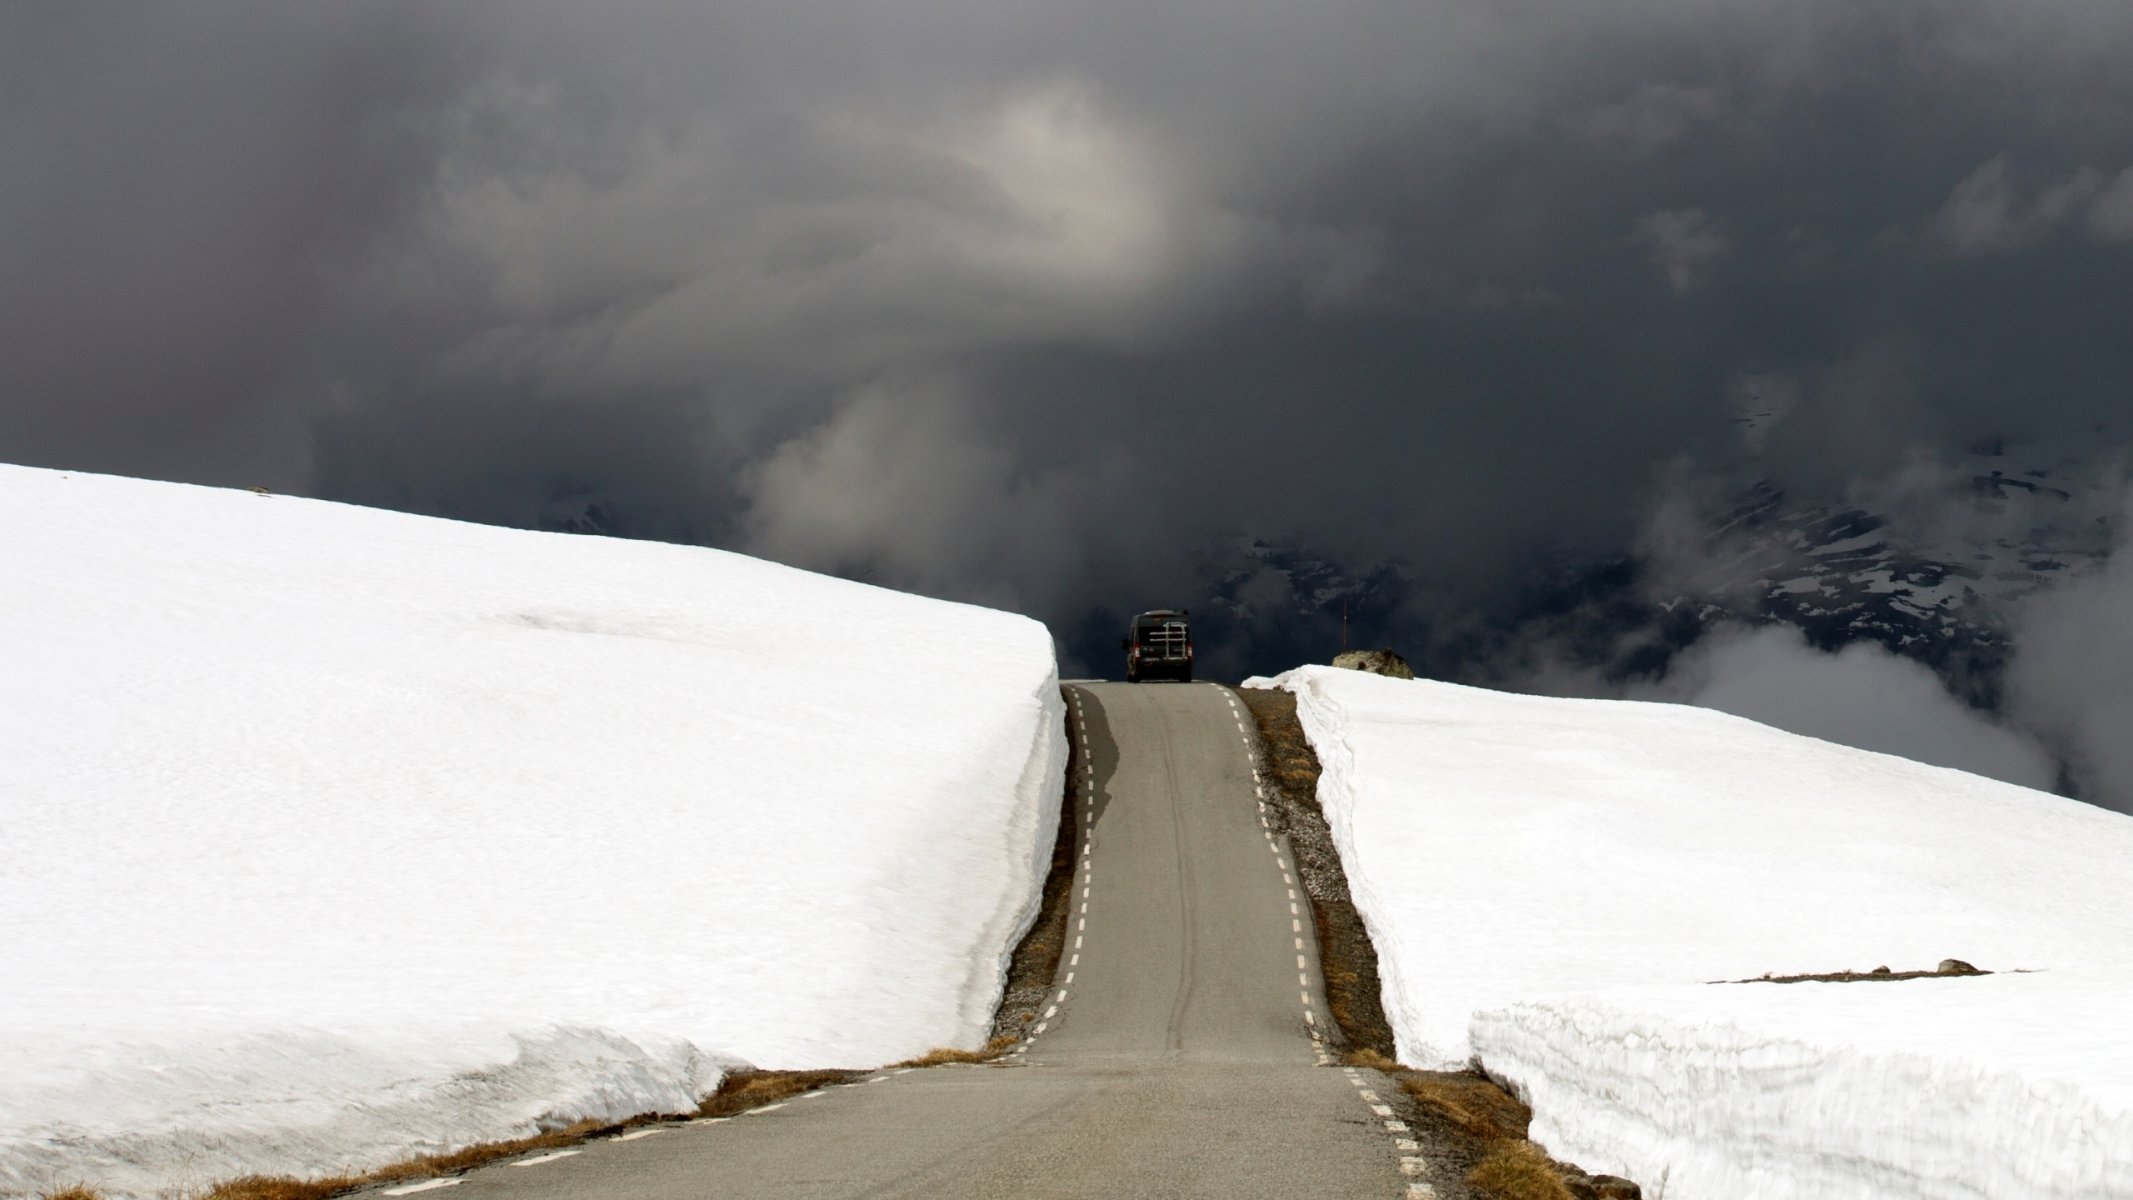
(1585, 347)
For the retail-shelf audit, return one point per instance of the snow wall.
(335, 836)
(1552, 884)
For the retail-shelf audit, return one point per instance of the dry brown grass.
(943, 1055)
(1519, 1171)
(743, 1090)
(1370, 1060)
(1473, 1104)
(76, 1192)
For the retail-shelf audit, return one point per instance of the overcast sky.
(1025, 303)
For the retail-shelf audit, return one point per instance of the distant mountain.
(1928, 570)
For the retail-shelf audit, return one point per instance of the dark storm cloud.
(1028, 303)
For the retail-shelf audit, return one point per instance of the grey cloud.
(1687, 244)
(1031, 303)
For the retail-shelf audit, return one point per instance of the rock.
(1614, 1187)
(1376, 662)
(1956, 966)
(1882, 971)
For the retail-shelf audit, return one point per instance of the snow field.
(1551, 884)
(337, 835)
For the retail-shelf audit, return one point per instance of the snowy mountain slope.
(1551, 884)
(336, 835)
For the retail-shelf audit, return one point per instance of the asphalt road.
(1179, 1055)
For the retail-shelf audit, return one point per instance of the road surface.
(1178, 1055)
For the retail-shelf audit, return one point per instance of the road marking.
(1383, 1110)
(1077, 943)
(1041, 1027)
(1307, 999)
(1421, 1191)
(1299, 943)
(1292, 893)
(1396, 1127)
(1296, 926)
(1309, 1019)
(1284, 863)
(427, 1185)
(1051, 1012)
(1413, 1166)
(639, 1133)
(757, 1112)
(1369, 1097)
(1408, 1144)
(1068, 979)
(1300, 962)
(1288, 878)
(1292, 908)
(553, 1155)
(1073, 962)
(1083, 926)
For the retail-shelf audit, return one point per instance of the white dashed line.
(1413, 1166)
(1369, 1097)
(551, 1156)
(757, 1112)
(427, 1185)
(633, 1135)
(1408, 1144)
(1396, 1127)
(1383, 1110)
(1051, 1012)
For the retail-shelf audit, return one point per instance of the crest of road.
(1179, 1051)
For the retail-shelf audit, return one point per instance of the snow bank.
(1528, 867)
(1981, 1088)
(336, 835)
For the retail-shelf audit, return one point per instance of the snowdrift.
(335, 835)
(1551, 885)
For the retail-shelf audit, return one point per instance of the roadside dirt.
(1036, 959)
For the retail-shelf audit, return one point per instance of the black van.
(1158, 645)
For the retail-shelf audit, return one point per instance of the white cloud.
(2072, 676)
(1688, 244)
(1860, 696)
